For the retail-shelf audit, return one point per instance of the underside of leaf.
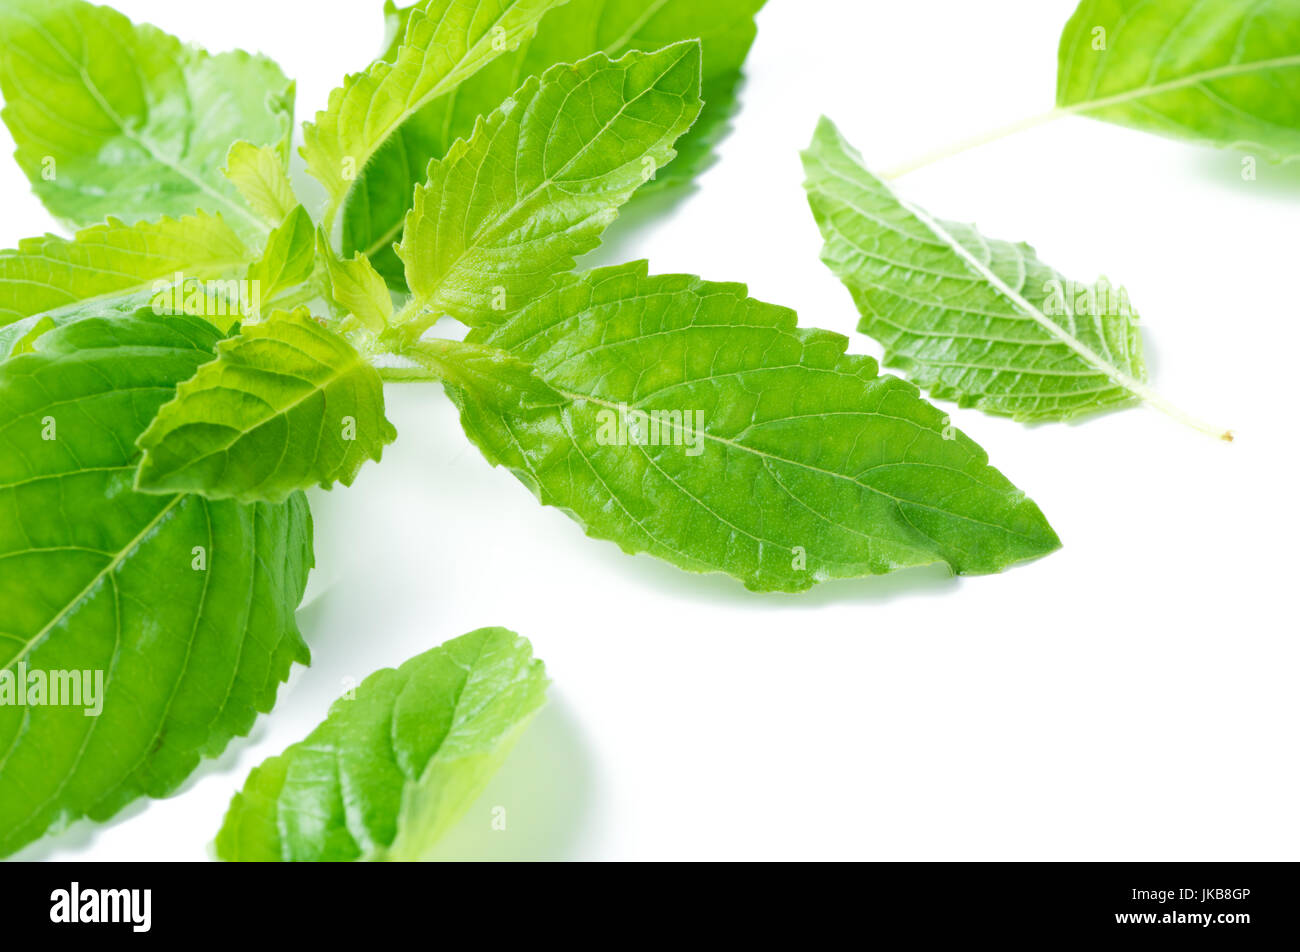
(970, 319)
(444, 43)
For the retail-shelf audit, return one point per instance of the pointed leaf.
(1225, 73)
(705, 428)
(381, 196)
(183, 607)
(114, 261)
(289, 258)
(391, 769)
(970, 319)
(446, 42)
(262, 177)
(357, 287)
(979, 321)
(541, 179)
(286, 405)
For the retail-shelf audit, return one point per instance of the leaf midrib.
(898, 500)
(123, 554)
(1193, 79)
(500, 222)
(336, 373)
(1018, 300)
(441, 87)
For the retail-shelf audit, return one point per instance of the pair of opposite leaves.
(629, 281)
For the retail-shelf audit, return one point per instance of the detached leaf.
(391, 769)
(971, 319)
(446, 42)
(1225, 73)
(289, 258)
(113, 261)
(381, 196)
(261, 175)
(183, 608)
(978, 321)
(705, 428)
(286, 405)
(116, 119)
(540, 180)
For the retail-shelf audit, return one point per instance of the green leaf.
(540, 180)
(289, 258)
(262, 177)
(286, 405)
(968, 318)
(381, 196)
(446, 42)
(184, 606)
(705, 428)
(357, 287)
(392, 768)
(114, 260)
(963, 316)
(1225, 73)
(116, 119)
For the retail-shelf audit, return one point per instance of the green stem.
(408, 375)
(430, 358)
(974, 142)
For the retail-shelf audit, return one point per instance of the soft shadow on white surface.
(664, 580)
(625, 239)
(80, 835)
(538, 806)
(1224, 167)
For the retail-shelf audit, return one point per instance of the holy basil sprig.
(172, 378)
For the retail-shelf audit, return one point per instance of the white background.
(1131, 697)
